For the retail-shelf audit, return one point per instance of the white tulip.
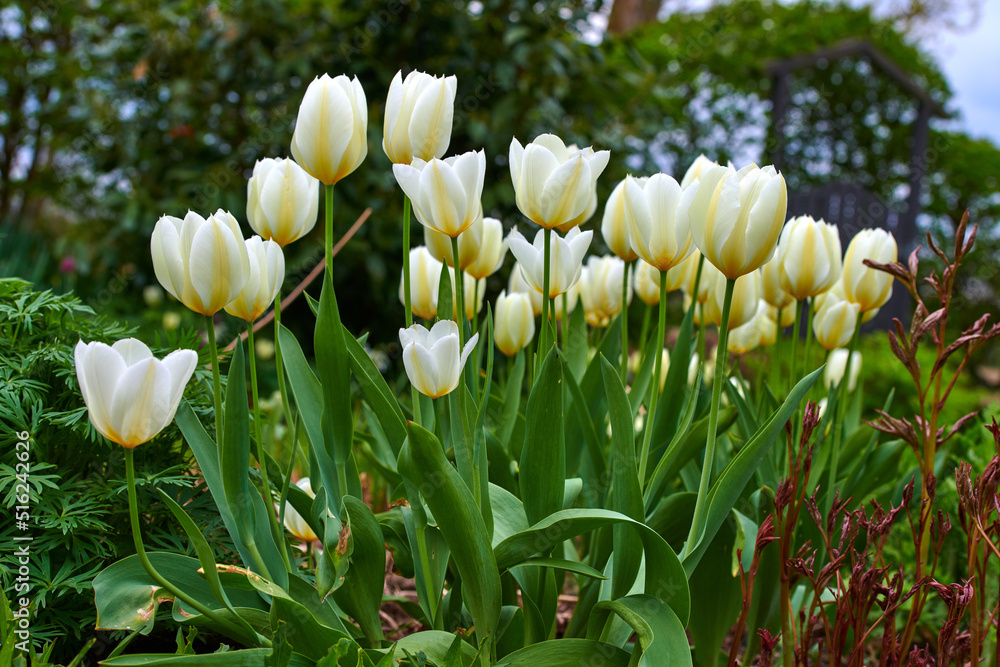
(294, 523)
(693, 173)
(646, 283)
(750, 335)
(601, 289)
(331, 131)
(131, 395)
(835, 321)
(770, 285)
(425, 279)
(746, 293)
(267, 273)
(432, 359)
(203, 263)
(709, 277)
(418, 116)
(446, 194)
(614, 226)
(808, 257)
(863, 285)
(566, 259)
(553, 184)
(836, 366)
(282, 200)
(514, 322)
(517, 284)
(657, 218)
(481, 247)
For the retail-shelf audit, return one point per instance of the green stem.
(624, 316)
(795, 346)
(644, 331)
(133, 510)
(809, 336)
(564, 325)
(475, 300)
(407, 299)
(838, 427)
(700, 508)
(279, 363)
(459, 293)
(328, 211)
(543, 347)
(776, 371)
(701, 309)
(264, 480)
(661, 325)
(213, 350)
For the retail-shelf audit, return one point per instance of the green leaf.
(713, 580)
(734, 477)
(234, 452)
(333, 368)
(567, 653)
(668, 411)
(575, 347)
(665, 577)
(361, 593)
(435, 645)
(253, 657)
(511, 401)
(660, 633)
(306, 635)
(585, 421)
(543, 458)
(375, 389)
(564, 564)
(626, 496)
(422, 460)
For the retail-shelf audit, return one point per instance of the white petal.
(140, 407)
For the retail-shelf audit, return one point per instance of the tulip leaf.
(668, 409)
(422, 461)
(567, 653)
(334, 371)
(361, 594)
(660, 632)
(575, 346)
(586, 424)
(664, 575)
(722, 495)
(480, 453)
(234, 451)
(626, 496)
(563, 564)
(446, 300)
(643, 378)
(306, 635)
(251, 657)
(543, 457)
(375, 389)
(713, 580)
(511, 401)
(434, 644)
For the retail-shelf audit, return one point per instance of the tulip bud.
(808, 257)
(736, 217)
(282, 200)
(267, 273)
(770, 287)
(863, 285)
(514, 322)
(835, 322)
(203, 263)
(131, 395)
(614, 227)
(553, 185)
(693, 367)
(566, 260)
(481, 247)
(152, 295)
(664, 366)
(472, 295)
(601, 289)
(432, 359)
(646, 282)
(418, 116)
(694, 172)
(746, 293)
(836, 366)
(331, 132)
(656, 214)
(446, 194)
(171, 320)
(517, 284)
(709, 276)
(752, 334)
(425, 277)
(294, 523)
(263, 348)
(836, 293)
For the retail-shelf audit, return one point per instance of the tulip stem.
(565, 318)
(624, 316)
(213, 350)
(475, 301)
(776, 371)
(809, 335)
(796, 328)
(407, 299)
(661, 325)
(843, 389)
(695, 303)
(644, 331)
(261, 460)
(459, 294)
(543, 335)
(721, 354)
(279, 363)
(236, 631)
(328, 212)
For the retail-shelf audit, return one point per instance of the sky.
(971, 62)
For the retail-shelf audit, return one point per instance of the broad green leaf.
(434, 644)
(641, 382)
(734, 477)
(567, 653)
(563, 564)
(306, 635)
(586, 423)
(626, 495)
(713, 581)
(375, 389)
(508, 514)
(668, 409)
(422, 460)
(661, 634)
(253, 657)
(511, 401)
(333, 368)
(575, 346)
(543, 458)
(361, 594)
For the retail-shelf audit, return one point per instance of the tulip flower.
(694, 172)
(787, 314)
(294, 523)
(517, 284)
(863, 285)
(736, 217)
(836, 366)
(282, 200)
(614, 227)
(481, 247)
(808, 256)
(331, 131)
(473, 292)
(834, 323)
(688, 273)
(130, 394)
(588, 212)
(566, 259)
(656, 215)
(446, 194)
(418, 116)
(836, 292)
(744, 301)
(425, 278)
(203, 263)
(552, 183)
(514, 322)
(152, 295)
(433, 359)
(646, 282)
(770, 286)
(267, 273)
(601, 289)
